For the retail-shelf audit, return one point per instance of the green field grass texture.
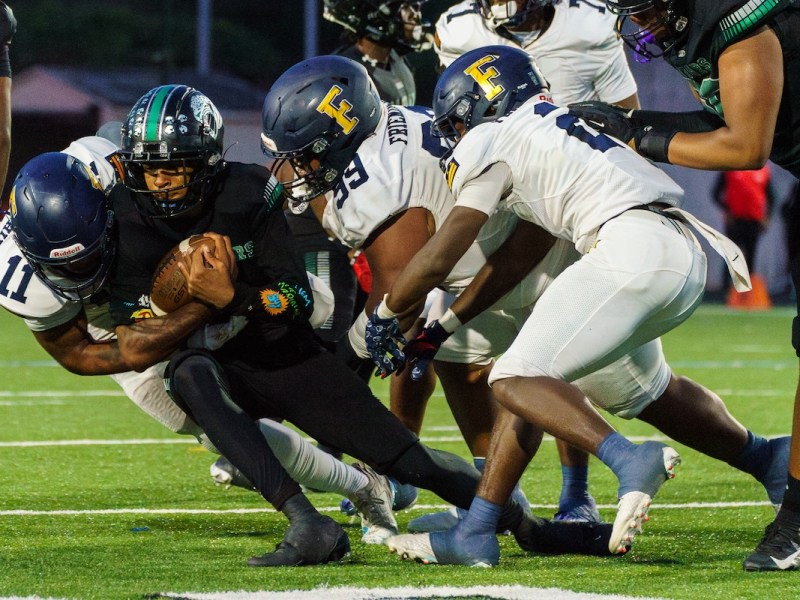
(99, 501)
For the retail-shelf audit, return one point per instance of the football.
(169, 291)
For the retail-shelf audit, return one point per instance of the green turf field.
(99, 501)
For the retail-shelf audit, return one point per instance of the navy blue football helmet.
(663, 24)
(62, 224)
(510, 14)
(314, 118)
(172, 127)
(394, 23)
(483, 85)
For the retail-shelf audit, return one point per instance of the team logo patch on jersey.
(274, 302)
(483, 77)
(450, 172)
(338, 113)
(142, 313)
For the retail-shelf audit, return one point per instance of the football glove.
(422, 349)
(383, 338)
(625, 125)
(8, 24)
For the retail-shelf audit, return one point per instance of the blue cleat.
(579, 511)
(650, 465)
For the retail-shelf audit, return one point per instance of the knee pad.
(179, 378)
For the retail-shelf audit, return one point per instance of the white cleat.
(633, 506)
(413, 547)
(374, 504)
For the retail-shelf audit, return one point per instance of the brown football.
(168, 291)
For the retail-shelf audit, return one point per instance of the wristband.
(383, 311)
(655, 145)
(449, 321)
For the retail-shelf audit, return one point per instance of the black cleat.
(308, 542)
(539, 535)
(779, 550)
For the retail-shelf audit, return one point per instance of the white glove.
(213, 337)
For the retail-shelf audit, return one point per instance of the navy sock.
(574, 483)
(482, 517)
(754, 457)
(614, 451)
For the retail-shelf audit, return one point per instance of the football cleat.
(374, 504)
(451, 548)
(312, 541)
(225, 474)
(652, 464)
(779, 550)
(584, 512)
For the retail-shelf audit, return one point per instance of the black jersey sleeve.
(275, 285)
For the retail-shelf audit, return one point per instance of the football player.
(56, 248)
(581, 57)
(177, 184)
(741, 60)
(641, 273)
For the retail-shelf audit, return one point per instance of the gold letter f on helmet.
(339, 114)
(484, 77)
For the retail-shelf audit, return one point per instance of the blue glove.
(383, 338)
(422, 349)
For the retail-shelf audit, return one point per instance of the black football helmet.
(663, 24)
(483, 85)
(395, 23)
(172, 126)
(62, 224)
(314, 118)
(511, 13)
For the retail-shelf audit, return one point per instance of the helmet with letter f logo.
(314, 118)
(483, 85)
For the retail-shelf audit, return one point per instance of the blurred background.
(80, 63)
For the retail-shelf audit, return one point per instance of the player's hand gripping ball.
(169, 290)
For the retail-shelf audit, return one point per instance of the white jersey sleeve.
(100, 155)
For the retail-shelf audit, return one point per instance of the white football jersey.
(395, 169)
(580, 54)
(562, 174)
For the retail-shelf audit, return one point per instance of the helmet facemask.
(80, 276)
(301, 181)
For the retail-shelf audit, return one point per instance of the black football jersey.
(247, 208)
(713, 25)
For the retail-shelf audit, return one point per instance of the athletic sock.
(574, 484)
(614, 451)
(754, 457)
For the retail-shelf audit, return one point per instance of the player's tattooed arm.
(145, 342)
(73, 348)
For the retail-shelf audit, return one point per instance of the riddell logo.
(66, 252)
